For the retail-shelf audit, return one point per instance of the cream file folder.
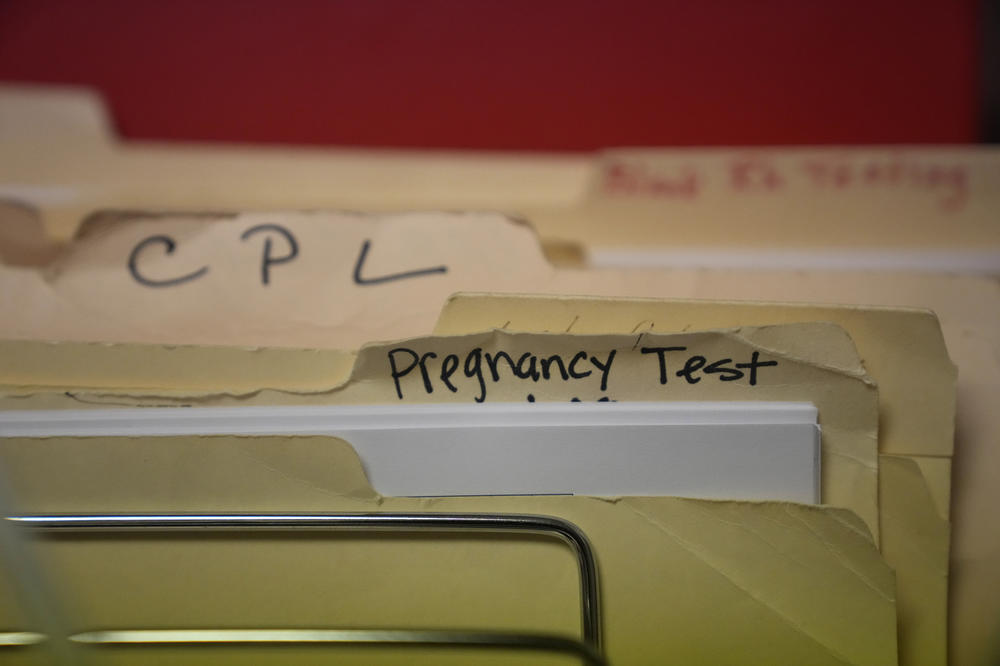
(794, 208)
(680, 579)
(742, 577)
(93, 279)
(893, 201)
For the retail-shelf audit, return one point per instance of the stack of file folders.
(408, 437)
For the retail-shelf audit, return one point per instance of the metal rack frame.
(588, 647)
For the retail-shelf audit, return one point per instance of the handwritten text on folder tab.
(945, 184)
(500, 366)
(269, 257)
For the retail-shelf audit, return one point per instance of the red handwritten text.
(637, 180)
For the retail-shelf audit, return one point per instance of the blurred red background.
(512, 74)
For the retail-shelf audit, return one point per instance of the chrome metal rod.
(404, 522)
(14, 638)
(360, 637)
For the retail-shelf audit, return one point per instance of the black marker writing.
(573, 372)
(359, 265)
(448, 367)
(605, 368)
(695, 364)
(266, 258)
(661, 352)
(170, 245)
(472, 368)
(493, 366)
(753, 365)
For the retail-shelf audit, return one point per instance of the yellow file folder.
(813, 360)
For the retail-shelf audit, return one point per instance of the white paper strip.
(720, 450)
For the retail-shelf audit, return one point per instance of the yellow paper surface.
(969, 311)
(90, 294)
(901, 348)
(83, 169)
(827, 372)
(183, 370)
(697, 582)
(915, 543)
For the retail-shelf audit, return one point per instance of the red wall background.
(512, 74)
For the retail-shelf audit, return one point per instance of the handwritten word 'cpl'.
(286, 252)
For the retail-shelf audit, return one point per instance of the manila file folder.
(689, 580)
(902, 349)
(915, 426)
(956, 191)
